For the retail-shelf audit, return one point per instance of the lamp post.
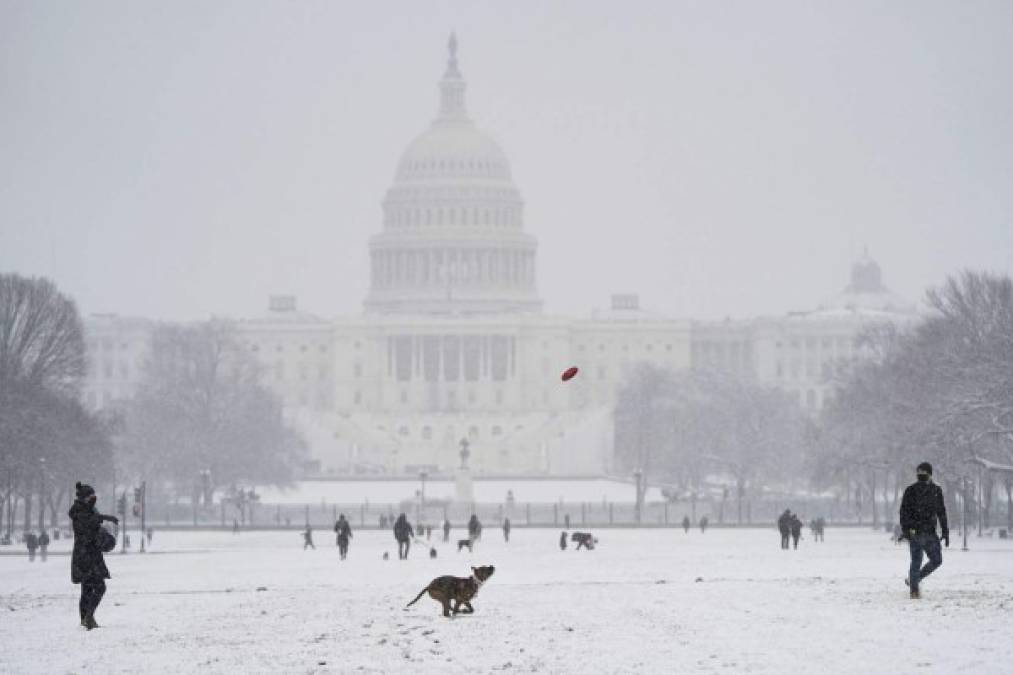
(422, 495)
(963, 510)
(42, 494)
(637, 476)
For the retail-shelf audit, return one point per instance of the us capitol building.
(453, 349)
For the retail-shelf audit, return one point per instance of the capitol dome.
(452, 239)
(453, 150)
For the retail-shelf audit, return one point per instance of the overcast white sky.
(177, 159)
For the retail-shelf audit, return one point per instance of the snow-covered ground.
(651, 601)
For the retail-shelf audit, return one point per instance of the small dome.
(453, 149)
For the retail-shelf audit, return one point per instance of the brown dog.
(459, 590)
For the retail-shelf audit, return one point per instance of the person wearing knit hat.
(920, 508)
(87, 565)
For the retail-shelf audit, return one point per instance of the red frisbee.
(569, 373)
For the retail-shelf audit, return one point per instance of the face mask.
(924, 477)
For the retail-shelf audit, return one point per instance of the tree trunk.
(28, 512)
(872, 498)
(1008, 484)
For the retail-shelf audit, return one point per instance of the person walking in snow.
(562, 541)
(32, 542)
(446, 530)
(703, 524)
(474, 528)
(87, 565)
(403, 533)
(506, 530)
(43, 545)
(784, 527)
(307, 539)
(685, 524)
(796, 530)
(920, 508)
(344, 533)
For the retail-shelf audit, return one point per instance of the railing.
(564, 515)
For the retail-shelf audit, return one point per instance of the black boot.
(89, 621)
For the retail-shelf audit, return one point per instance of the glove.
(946, 539)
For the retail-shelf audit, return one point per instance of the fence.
(559, 514)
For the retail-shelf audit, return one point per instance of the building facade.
(453, 351)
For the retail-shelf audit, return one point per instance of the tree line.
(940, 390)
(201, 418)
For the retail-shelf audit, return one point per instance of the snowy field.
(650, 601)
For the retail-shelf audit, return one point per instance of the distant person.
(43, 545)
(821, 526)
(87, 565)
(796, 530)
(403, 533)
(920, 508)
(307, 539)
(685, 524)
(784, 527)
(703, 524)
(446, 530)
(344, 533)
(150, 533)
(32, 542)
(506, 530)
(562, 541)
(429, 532)
(474, 528)
(235, 526)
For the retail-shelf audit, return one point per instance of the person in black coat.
(32, 542)
(474, 528)
(344, 531)
(446, 530)
(506, 530)
(87, 565)
(403, 533)
(796, 529)
(43, 545)
(784, 527)
(920, 508)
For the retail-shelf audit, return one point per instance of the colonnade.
(440, 267)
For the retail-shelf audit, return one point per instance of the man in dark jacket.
(446, 530)
(32, 542)
(796, 530)
(784, 527)
(921, 506)
(474, 528)
(506, 530)
(87, 566)
(344, 532)
(403, 533)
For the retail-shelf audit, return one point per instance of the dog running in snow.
(465, 543)
(457, 590)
